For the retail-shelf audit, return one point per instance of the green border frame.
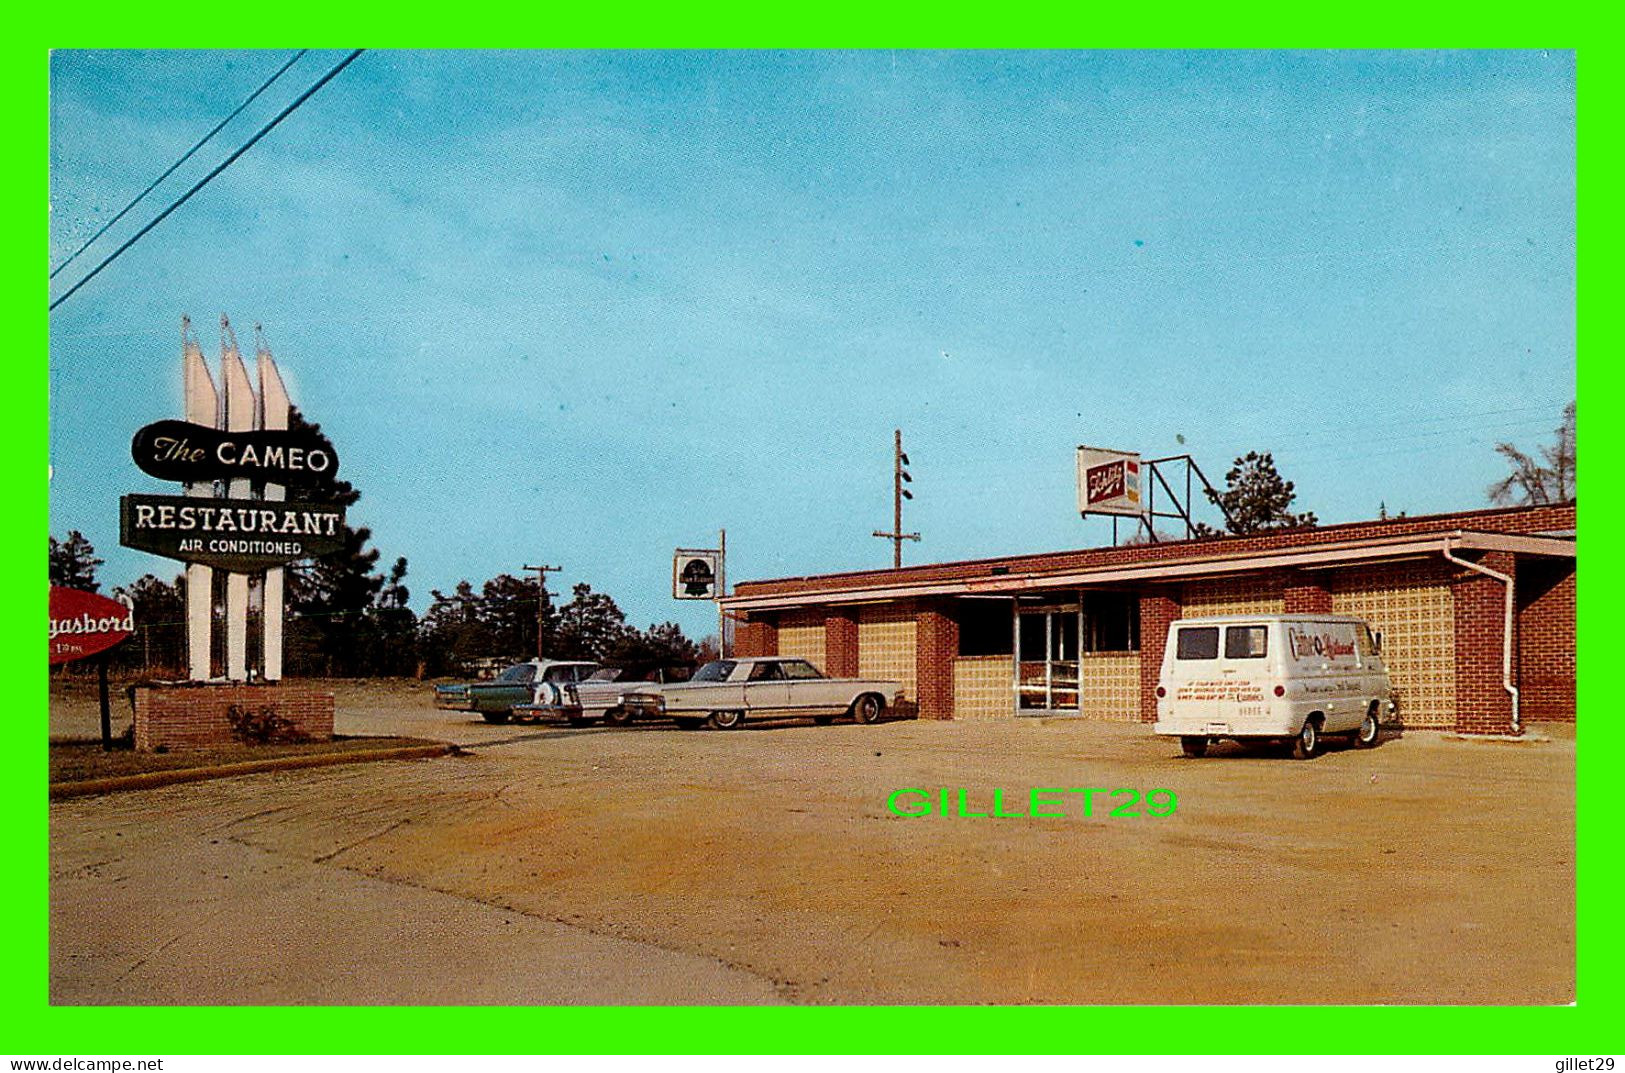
(1586, 1028)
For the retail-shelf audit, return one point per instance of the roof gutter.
(1506, 629)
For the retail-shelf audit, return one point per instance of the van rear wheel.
(1307, 744)
(1193, 746)
(1369, 731)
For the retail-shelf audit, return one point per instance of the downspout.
(1506, 630)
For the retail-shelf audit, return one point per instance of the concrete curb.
(149, 779)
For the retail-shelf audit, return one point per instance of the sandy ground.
(761, 865)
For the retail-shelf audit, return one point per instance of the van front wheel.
(1307, 743)
(1193, 746)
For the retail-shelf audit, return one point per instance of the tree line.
(345, 618)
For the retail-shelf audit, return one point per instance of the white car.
(596, 696)
(725, 691)
(1281, 677)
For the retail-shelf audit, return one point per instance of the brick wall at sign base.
(195, 716)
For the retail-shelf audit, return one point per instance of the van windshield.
(1198, 642)
(1246, 642)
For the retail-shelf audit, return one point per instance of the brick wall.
(1304, 594)
(1483, 705)
(1157, 612)
(195, 716)
(1546, 646)
(841, 644)
(936, 646)
(756, 637)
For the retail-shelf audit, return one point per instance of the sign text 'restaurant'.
(240, 535)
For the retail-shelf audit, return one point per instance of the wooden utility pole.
(899, 493)
(541, 604)
(722, 590)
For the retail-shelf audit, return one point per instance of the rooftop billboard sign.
(1109, 482)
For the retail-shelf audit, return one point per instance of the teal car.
(523, 683)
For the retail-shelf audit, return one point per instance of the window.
(717, 670)
(1198, 642)
(799, 670)
(1246, 642)
(1111, 622)
(984, 627)
(766, 672)
(519, 672)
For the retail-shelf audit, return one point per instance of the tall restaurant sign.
(236, 440)
(83, 623)
(1108, 482)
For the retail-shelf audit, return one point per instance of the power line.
(184, 158)
(201, 183)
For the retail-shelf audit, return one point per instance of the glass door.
(1047, 659)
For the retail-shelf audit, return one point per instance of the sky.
(584, 308)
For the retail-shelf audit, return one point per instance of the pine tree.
(1257, 498)
(331, 629)
(589, 626)
(73, 563)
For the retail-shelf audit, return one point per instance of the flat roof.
(1522, 531)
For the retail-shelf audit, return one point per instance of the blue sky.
(587, 307)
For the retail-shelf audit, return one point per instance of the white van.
(1297, 677)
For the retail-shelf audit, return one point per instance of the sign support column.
(239, 417)
(202, 408)
(273, 416)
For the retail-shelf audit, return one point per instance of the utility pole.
(541, 605)
(722, 590)
(899, 493)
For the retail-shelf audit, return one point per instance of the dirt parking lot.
(761, 865)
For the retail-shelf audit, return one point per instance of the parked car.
(519, 684)
(1281, 677)
(598, 696)
(725, 692)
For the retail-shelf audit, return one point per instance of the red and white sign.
(1108, 482)
(83, 624)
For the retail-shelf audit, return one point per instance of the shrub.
(262, 726)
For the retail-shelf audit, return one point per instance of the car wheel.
(496, 717)
(687, 723)
(1307, 743)
(1193, 745)
(823, 720)
(618, 717)
(867, 708)
(1369, 731)
(730, 720)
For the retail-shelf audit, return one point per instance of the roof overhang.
(1319, 557)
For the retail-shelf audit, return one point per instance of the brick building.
(1082, 632)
